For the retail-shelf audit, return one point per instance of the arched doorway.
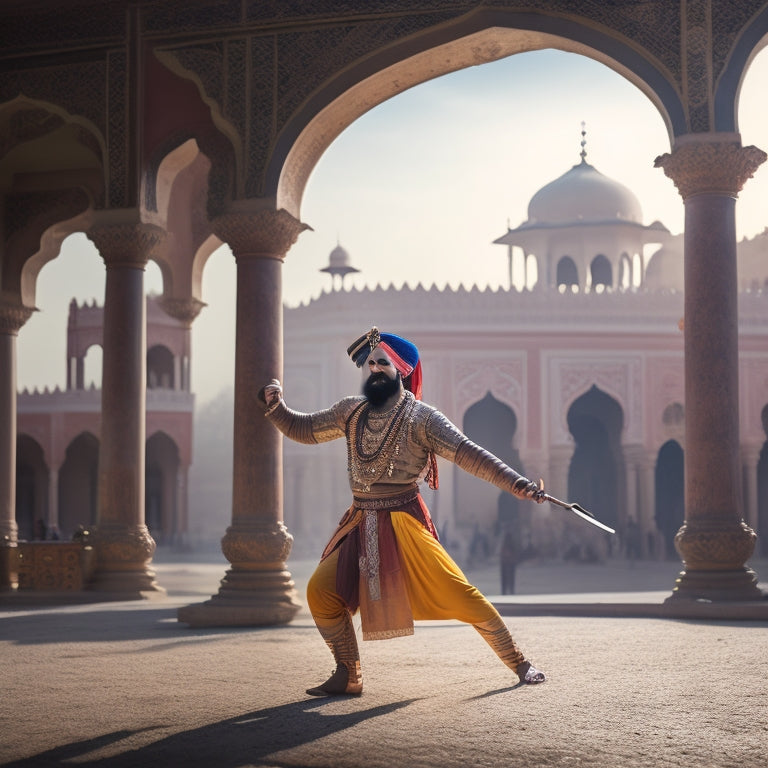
(670, 494)
(162, 467)
(78, 485)
(492, 424)
(596, 473)
(31, 489)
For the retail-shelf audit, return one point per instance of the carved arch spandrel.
(504, 380)
(620, 379)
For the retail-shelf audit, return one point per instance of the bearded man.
(384, 557)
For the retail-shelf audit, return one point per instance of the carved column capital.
(13, 317)
(128, 244)
(183, 309)
(258, 233)
(716, 167)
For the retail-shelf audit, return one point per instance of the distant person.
(384, 557)
(633, 540)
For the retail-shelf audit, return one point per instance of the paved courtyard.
(124, 684)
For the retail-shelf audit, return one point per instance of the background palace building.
(574, 373)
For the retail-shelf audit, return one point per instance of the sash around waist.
(399, 500)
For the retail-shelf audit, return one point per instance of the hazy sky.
(419, 187)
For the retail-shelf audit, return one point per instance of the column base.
(739, 584)
(126, 585)
(246, 598)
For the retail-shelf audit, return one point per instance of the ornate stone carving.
(126, 244)
(257, 543)
(261, 233)
(711, 167)
(13, 317)
(117, 547)
(118, 123)
(54, 566)
(185, 310)
(714, 545)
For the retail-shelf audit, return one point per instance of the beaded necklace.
(369, 457)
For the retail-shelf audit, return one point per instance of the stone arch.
(31, 487)
(567, 273)
(189, 113)
(78, 485)
(93, 366)
(52, 172)
(162, 467)
(601, 272)
(751, 40)
(670, 494)
(596, 476)
(481, 36)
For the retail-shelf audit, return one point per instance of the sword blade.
(590, 518)
(580, 511)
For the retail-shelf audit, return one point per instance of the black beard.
(378, 388)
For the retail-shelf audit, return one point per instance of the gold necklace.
(368, 458)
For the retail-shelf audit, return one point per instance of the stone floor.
(125, 684)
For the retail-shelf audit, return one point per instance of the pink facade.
(59, 434)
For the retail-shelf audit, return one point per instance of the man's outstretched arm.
(451, 443)
(308, 428)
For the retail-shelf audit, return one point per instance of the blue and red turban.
(403, 353)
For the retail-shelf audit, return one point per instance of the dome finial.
(583, 152)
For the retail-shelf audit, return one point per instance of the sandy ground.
(124, 684)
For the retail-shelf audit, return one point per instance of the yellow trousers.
(435, 586)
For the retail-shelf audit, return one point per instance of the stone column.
(714, 541)
(12, 318)
(121, 541)
(53, 498)
(257, 590)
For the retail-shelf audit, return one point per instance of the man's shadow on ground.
(242, 740)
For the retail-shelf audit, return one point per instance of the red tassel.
(432, 478)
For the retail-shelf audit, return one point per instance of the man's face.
(381, 379)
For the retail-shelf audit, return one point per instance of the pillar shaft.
(714, 541)
(122, 542)
(257, 589)
(12, 317)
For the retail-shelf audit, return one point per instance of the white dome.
(338, 257)
(583, 195)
